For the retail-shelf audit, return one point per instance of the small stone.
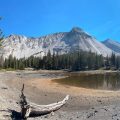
(52, 114)
(46, 116)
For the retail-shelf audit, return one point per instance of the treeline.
(71, 61)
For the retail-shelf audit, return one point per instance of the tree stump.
(25, 108)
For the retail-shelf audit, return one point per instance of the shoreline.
(40, 88)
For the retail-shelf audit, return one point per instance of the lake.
(106, 81)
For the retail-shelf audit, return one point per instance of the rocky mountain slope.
(113, 45)
(63, 42)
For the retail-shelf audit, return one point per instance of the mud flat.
(84, 104)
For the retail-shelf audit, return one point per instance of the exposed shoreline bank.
(40, 88)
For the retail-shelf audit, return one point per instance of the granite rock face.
(63, 42)
(113, 45)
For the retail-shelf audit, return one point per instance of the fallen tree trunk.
(38, 110)
(29, 109)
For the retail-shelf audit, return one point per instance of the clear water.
(107, 81)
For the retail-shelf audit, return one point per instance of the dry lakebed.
(93, 101)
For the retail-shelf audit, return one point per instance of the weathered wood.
(38, 110)
(23, 104)
(29, 109)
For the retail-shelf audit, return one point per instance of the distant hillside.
(113, 45)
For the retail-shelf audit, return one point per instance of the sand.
(84, 104)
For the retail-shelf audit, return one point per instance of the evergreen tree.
(49, 61)
(107, 62)
(6, 63)
(113, 59)
(21, 65)
(79, 60)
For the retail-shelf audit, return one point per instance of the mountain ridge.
(21, 46)
(113, 45)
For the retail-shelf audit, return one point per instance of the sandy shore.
(39, 88)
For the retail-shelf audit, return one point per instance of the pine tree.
(113, 59)
(107, 63)
(77, 60)
(53, 61)
(49, 61)
(5, 63)
(21, 65)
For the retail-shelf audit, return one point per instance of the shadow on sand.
(13, 114)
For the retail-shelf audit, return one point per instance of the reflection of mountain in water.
(107, 81)
(112, 82)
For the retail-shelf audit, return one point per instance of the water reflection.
(107, 81)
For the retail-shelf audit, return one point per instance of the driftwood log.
(29, 109)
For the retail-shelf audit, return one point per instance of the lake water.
(106, 81)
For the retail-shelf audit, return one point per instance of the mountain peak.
(76, 29)
(108, 40)
(21, 46)
(113, 45)
(80, 31)
(13, 36)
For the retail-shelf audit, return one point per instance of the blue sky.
(40, 17)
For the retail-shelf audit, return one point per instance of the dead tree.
(24, 105)
(29, 109)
